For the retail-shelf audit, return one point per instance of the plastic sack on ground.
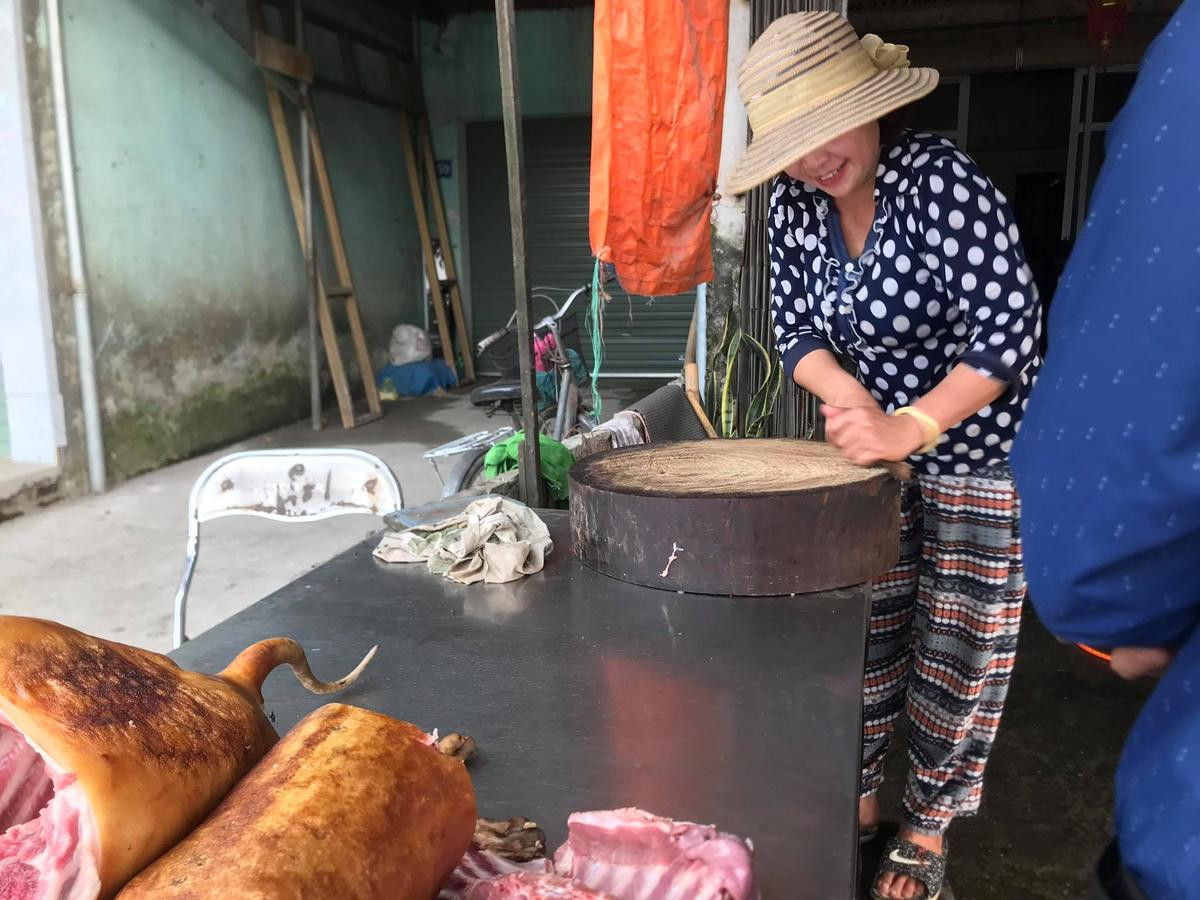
(415, 379)
(409, 344)
(658, 94)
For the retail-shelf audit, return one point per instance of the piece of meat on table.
(110, 754)
(623, 854)
(47, 834)
(350, 804)
(532, 886)
(478, 866)
(634, 855)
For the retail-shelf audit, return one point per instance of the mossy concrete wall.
(196, 277)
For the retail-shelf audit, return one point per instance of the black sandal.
(905, 858)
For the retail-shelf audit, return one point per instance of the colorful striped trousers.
(943, 637)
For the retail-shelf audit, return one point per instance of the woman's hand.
(1140, 662)
(867, 435)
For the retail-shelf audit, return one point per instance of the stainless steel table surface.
(588, 693)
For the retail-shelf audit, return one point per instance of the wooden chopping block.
(735, 517)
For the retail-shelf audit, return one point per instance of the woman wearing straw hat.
(894, 257)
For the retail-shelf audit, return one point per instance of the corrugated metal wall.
(640, 335)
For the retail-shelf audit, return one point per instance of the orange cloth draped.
(658, 94)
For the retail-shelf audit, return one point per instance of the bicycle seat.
(496, 392)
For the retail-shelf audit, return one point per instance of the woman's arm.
(959, 395)
(806, 354)
(867, 435)
(998, 315)
(1001, 324)
(819, 373)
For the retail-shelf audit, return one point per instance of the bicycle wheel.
(467, 472)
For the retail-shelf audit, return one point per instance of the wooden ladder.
(276, 56)
(418, 154)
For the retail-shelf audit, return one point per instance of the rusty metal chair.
(293, 486)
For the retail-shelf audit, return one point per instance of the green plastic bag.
(556, 461)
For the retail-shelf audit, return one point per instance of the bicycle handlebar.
(608, 274)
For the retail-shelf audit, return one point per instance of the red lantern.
(1106, 20)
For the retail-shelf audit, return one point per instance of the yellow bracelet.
(928, 423)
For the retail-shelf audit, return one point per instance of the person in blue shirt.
(1107, 462)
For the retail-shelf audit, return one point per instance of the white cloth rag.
(494, 540)
(626, 428)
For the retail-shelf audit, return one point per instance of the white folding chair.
(294, 486)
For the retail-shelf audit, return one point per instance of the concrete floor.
(109, 565)
(1047, 801)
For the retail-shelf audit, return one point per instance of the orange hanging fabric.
(658, 93)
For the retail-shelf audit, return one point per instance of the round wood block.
(739, 517)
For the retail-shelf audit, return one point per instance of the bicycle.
(570, 414)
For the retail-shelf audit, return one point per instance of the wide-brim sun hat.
(809, 79)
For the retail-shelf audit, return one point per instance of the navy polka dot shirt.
(942, 280)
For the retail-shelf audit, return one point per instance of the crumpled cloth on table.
(494, 540)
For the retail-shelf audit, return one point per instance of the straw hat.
(809, 79)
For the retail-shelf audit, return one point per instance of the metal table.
(588, 693)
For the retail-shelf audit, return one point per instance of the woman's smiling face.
(843, 165)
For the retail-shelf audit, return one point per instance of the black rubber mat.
(669, 416)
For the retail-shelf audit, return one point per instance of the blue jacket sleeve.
(791, 309)
(1108, 459)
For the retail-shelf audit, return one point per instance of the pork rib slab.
(48, 840)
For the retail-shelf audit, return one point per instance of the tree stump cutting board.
(738, 517)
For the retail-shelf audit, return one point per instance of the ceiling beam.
(1031, 46)
(448, 8)
(380, 41)
(890, 16)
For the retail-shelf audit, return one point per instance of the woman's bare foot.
(901, 887)
(868, 813)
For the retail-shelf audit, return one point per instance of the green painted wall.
(192, 256)
(461, 73)
(365, 157)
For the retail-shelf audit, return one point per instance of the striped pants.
(943, 637)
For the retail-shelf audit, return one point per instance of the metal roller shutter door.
(641, 336)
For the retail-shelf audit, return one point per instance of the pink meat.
(634, 855)
(530, 886)
(624, 854)
(47, 834)
(480, 866)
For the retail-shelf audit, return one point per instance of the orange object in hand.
(1107, 657)
(658, 94)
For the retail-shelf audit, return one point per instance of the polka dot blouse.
(942, 280)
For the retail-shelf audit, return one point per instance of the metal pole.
(1085, 153)
(533, 489)
(1072, 151)
(964, 113)
(310, 250)
(93, 427)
